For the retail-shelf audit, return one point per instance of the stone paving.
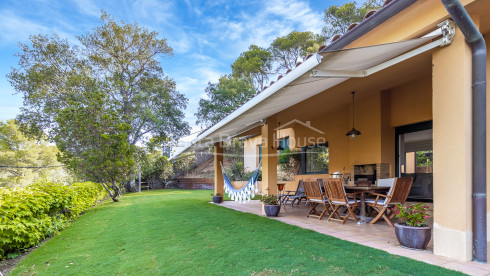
(378, 235)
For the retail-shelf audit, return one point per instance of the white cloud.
(15, 28)
(19, 29)
(296, 12)
(275, 18)
(88, 7)
(154, 11)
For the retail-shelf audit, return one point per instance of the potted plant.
(271, 205)
(217, 198)
(413, 232)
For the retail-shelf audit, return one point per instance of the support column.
(452, 128)
(269, 156)
(218, 176)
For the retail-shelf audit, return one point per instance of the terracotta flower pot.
(218, 199)
(272, 210)
(412, 237)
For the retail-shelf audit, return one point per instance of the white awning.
(316, 74)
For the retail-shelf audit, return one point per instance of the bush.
(29, 215)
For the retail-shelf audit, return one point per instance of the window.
(284, 143)
(315, 159)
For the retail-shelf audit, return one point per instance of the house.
(412, 72)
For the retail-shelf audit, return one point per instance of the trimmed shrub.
(29, 215)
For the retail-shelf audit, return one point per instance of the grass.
(176, 232)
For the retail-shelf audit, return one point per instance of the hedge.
(29, 215)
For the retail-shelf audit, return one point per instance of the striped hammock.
(245, 193)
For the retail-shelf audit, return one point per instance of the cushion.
(385, 182)
(316, 200)
(350, 200)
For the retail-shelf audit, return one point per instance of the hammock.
(245, 193)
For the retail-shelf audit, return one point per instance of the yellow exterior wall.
(412, 102)
(251, 153)
(452, 150)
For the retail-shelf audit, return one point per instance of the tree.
(224, 96)
(287, 49)
(184, 163)
(256, 64)
(155, 168)
(27, 160)
(338, 19)
(94, 142)
(118, 65)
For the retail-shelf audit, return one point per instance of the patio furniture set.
(341, 202)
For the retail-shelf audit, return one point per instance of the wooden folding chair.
(315, 197)
(338, 197)
(396, 195)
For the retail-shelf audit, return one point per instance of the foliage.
(269, 199)
(199, 237)
(413, 215)
(155, 167)
(217, 194)
(16, 150)
(28, 215)
(255, 64)
(223, 97)
(117, 68)
(424, 158)
(338, 19)
(317, 159)
(289, 164)
(287, 49)
(184, 163)
(248, 175)
(95, 142)
(236, 171)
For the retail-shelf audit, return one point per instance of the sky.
(206, 35)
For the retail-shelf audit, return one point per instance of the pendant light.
(279, 148)
(353, 133)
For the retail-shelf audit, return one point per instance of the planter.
(412, 237)
(218, 199)
(272, 210)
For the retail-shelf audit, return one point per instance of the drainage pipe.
(479, 53)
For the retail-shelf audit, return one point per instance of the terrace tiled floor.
(378, 235)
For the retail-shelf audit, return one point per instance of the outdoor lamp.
(353, 133)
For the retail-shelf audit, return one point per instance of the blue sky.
(206, 36)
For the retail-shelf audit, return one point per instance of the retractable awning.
(318, 73)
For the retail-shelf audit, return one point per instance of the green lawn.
(175, 232)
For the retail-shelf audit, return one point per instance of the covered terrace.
(411, 72)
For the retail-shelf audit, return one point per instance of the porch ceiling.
(298, 86)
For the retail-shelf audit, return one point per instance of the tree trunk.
(116, 191)
(131, 186)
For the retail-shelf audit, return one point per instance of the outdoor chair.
(290, 197)
(382, 182)
(396, 195)
(315, 197)
(338, 198)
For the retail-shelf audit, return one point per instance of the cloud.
(19, 29)
(260, 25)
(15, 28)
(296, 12)
(88, 7)
(155, 11)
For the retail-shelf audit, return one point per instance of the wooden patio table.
(364, 190)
